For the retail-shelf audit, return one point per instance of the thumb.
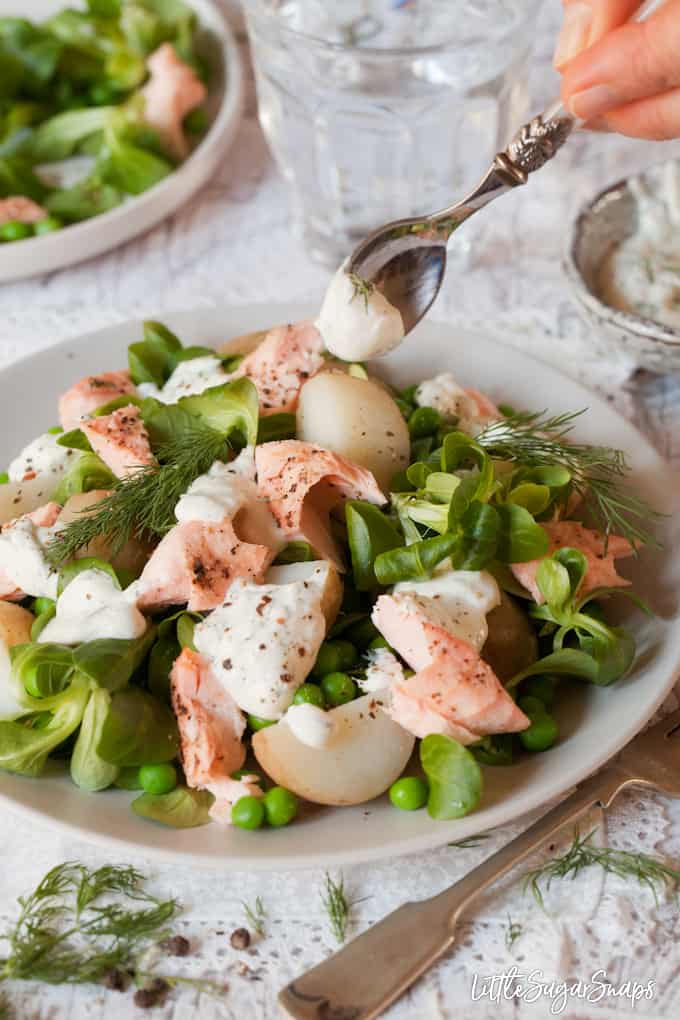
(587, 21)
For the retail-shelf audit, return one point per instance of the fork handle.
(362, 979)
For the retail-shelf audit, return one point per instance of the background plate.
(595, 722)
(92, 237)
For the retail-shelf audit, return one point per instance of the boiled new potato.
(15, 629)
(17, 498)
(134, 553)
(319, 572)
(365, 755)
(356, 418)
(511, 645)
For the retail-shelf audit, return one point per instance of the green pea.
(158, 779)
(409, 793)
(424, 422)
(362, 633)
(15, 231)
(280, 806)
(309, 694)
(338, 688)
(4, 478)
(335, 656)
(48, 226)
(248, 813)
(542, 731)
(257, 723)
(197, 121)
(42, 605)
(379, 642)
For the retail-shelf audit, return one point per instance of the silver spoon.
(406, 259)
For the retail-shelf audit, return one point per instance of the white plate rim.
(530, 799)
(100, 234)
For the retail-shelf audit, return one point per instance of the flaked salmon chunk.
(173, 91)
(281, 364)
(303, 483)
(90, 393)
(601, 570)
(120, 439)
(453, 692)
(211, 727)
(19, 209)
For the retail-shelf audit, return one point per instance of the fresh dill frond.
(80, 924)
(362, 288)
(649, 871)
(337, 906)
(255, 915)
(143, 504)
(512, 932)
(536, 439)
(470, 842)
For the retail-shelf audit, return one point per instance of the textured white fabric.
(229, 245)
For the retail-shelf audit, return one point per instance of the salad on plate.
(245, 582)
(96, 106)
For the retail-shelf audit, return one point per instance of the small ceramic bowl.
(603, 223)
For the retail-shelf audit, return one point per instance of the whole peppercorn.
(240, 938)
(176, 946)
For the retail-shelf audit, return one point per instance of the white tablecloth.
(232, 244)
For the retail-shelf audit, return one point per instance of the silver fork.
(364, 978)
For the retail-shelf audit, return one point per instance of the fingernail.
(592, 102)
(574, 33)
(598, 124)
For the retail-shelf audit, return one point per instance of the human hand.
(618, 76)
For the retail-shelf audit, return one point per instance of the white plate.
(92, 237)
(595, 722)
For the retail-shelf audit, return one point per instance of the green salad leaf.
(87, 473)
(138, 730)
(43, 669)
(183, 808)
(370, 534)
(88, 770)
(112, 662)
(454, 777)
(24, 747)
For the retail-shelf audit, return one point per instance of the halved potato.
(15, 624)
(367, 752)
(15, 629)
(319, 572)
(356, 418)
(511, 645)
(134, 553)
(17, 498)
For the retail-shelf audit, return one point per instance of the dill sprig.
(512, 932)
(361, 288)
(337, 906)
(255, 915)
(143, 504)
(470, 842)
(535, 439)
(80, 924)
(649, 871)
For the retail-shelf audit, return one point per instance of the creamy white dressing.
(311, 725)
(449, 398)
(11, 702)
(383, 671)
(22, 555)
(222, 491)
(642, 275)
(263, 641)
(43, 456)
(358, 325)
(189, 378)
(457, 600)
(93, 607)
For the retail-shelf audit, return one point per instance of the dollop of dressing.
(222, 491)
(457, 600)
(92, 607)
(311, 725)
(356, 320)
(43, 456)
(263, 641)
(642, 274)
(22, 554)
(383, 670)
(189, 378)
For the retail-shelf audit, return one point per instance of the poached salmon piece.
(210, 727)
(453, 692)
(173, 91)
(601, 570)
(90, 393)
(486, 409)
(43, 517)
(281, 364)
(303, 483)
(18, 209)
(120, 439)
(196, 563)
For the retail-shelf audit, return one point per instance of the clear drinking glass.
(378, 109)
